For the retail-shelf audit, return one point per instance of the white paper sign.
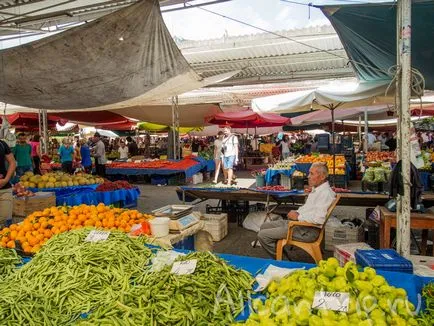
(184, 267)
(337, 301)
(272, 273)
(95, 236)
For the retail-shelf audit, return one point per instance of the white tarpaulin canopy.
(126, 57)
(213, 130)
(338, 94)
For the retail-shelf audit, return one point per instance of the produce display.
(340, 190)
(283, 165)
(70, 277)
(427, 317)
(298, 174)
(207, 154)
(381, 157)
(39, 227)
(340, 167)
(20, 191)
(8, 262)
(116, 185)
(58, 180)
(164, 298)
(378, 174)
(157, 164)
(273, 188)
(426, 156)
(372, 300)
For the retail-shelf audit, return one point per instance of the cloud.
(283, 15)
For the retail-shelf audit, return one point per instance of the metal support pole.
(365, 144)
(403, 217)
(334, 144)
(359, 130)
(175, 128)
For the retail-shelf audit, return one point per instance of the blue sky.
(274, 15)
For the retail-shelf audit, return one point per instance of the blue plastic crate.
(384, 259)
(158, 180)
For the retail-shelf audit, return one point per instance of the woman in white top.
(218, 155)
(123, 151)
(284, 145)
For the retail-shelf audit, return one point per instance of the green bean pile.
(70, 276)
(212, 295)
(8, 262)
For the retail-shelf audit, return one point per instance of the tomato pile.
(160, 164)
(336, 189)
(40, 226)
(111, 186)
(381, 157)
(273, 188)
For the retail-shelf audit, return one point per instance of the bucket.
(159, 226)
(260, 181)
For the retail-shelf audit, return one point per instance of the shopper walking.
(123, 151)
(23, 155)
(36, 154)
(7, 169)
(67, 156)
(133, 149)
(218, 155)
(230, 155)
(284, 145)
(99, 155)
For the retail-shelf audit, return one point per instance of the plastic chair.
(312, 248)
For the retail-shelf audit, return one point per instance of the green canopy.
(368, 33)
(154, 127)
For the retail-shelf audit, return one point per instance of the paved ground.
(238, 240)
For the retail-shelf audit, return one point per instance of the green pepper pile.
(372, 300)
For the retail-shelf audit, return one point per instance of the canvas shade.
(30, 121)
(154, 127)
(128, 55)
(247, 119)
(96, 118)
(368, 33)
(339, 94)
(213, 130)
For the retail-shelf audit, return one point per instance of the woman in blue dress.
(86, 161)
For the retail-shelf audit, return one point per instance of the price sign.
(95, 236)
(184, 267)
(337, 301)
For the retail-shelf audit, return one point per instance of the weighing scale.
(181, 216)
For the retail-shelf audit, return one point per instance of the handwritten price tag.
(184, 267)
(95, 236)
(337, 301)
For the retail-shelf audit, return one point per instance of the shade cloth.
(247, 119)
(368, 34)
(126, 55)
(29, 120)
(338, 94)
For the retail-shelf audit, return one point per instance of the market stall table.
(421, 221)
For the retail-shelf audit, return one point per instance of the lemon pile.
(58, 180)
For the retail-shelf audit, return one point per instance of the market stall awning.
(338, 94)
(213, 130)
(128, 55)
(155, 127)
(98, 119)
(189, 115)
(30, 121)
(368, 33)
(247, 119)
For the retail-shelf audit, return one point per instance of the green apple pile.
(58, 180)
(373, 302)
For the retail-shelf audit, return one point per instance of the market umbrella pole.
(332, 109)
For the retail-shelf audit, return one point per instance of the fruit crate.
(216, 225)
(285, 181)
(384, 259)
(23, 206)
(346, 252)
(340, 180)
(341, 235)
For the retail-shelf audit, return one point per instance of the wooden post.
(403, 217)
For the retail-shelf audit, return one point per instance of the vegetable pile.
(40, 226)
(20, 191)
(158, 164)
(70, 277)
(273, 188)
(372, 300)
(8, 262)
(116, 185)
(427, 317)
(163, 298)
(379, 174)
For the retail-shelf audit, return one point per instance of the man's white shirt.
(317, 203)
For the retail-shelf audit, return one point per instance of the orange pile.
(40, 226)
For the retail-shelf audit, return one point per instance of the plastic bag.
(253, 221)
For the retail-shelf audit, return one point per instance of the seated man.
(313, 211)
